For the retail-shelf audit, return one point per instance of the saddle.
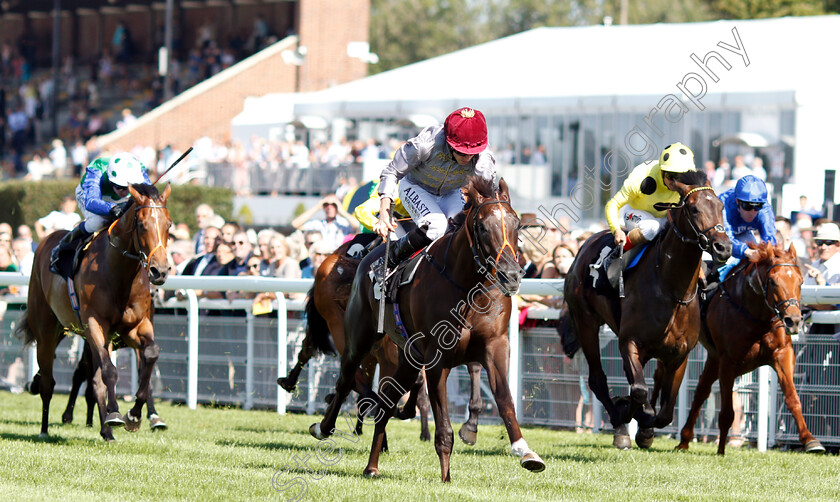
(69, 259)
(607, 267)
(401, 275)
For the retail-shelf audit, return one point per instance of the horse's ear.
(504, 194)
(134, 193)
(166, 192)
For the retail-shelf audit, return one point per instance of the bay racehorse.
(325, 307)
(112, 284)
(660, 316)
(455, 310)
(748, 323)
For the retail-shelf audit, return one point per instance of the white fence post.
(514, 369)
(249, 360)
(774, 408)
(282, 332)
(763, 406)
(192, 349)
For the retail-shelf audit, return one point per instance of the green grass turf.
(231, 454)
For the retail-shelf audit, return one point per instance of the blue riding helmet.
(751, 189)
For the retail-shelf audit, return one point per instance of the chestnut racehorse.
(748, 323)
(456, 310)
(112, 285)
(660, 316)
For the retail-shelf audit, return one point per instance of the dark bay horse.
(455, 311)
(660, 316)
(113, 290)
(748, 323)
(325, 307)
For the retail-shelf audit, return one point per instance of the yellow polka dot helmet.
(676, 158)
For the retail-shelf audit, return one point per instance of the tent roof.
(600, 65)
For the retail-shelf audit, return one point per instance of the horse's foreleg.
(104, 378)
(727, 413)
(444, 439)
(670, 393)
(424, 406)
(704, 389)
(147, 356)
(496, 364)
(469, 430)
(390, 391)
(587, 334)
(783, 363)
(635, 372)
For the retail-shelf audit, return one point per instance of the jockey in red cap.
(429, 172)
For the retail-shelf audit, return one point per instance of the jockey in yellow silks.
(367, 213)
(648, 183)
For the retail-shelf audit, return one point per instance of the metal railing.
(217, 351)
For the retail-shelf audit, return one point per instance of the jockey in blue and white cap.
(101, 191)
(746, 208)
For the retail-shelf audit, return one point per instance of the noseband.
(478, 254)
(142, 257)
(703, 241)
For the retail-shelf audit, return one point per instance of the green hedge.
(24, 202)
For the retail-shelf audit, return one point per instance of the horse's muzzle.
(792, 323)
(157, 276)
(722, 250)
(510, 280)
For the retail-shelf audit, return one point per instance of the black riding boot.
(409, 243)
(65, 243)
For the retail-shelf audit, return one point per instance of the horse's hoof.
(622, 441)
(328, 398)
(67, 418)
(467, 436)
(425, 436)
(681, 447)
(403, 414)
(114, 419)
(814, 446)
(157, 424)
(315, 431)
(371, 472)
(644, 438)
(532, 462)
(286, 385)
(131, 424)
(43, 435)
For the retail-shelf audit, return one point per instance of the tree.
(754, 9)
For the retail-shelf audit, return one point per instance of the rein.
(142, 257)
(700, 238)
(476, 250)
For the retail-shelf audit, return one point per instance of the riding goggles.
(750, 206)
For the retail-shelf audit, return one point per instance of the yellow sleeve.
(630, 190)
(368, 212)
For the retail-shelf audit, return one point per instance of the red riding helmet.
(466, 131)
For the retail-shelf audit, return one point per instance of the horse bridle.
(779, 317)
(703, 241)
(476, 249)
(141, 256)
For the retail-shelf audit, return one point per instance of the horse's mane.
(475, 186)
(147, 190)
(768, 251)
(693, 178)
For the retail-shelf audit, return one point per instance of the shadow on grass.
(25, 423)
(33, 438)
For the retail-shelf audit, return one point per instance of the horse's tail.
(317, 330)
(22, 330)
(568, 337)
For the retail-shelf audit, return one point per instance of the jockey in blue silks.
(746, 208)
